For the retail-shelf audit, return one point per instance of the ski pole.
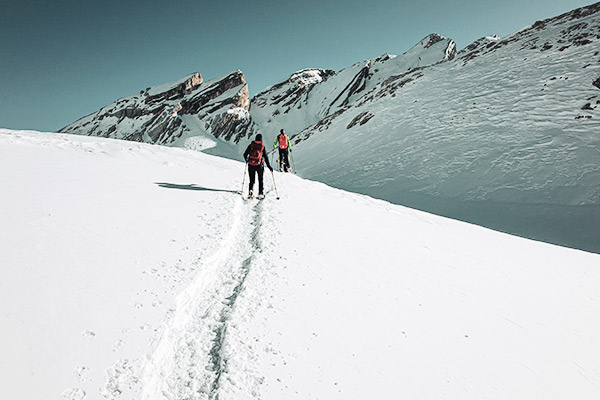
(244, 179)
(271, 153)
(293, 163)
(274, 185)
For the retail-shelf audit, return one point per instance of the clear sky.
(63, 59)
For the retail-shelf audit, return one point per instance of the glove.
(270, 168)
(290, 149)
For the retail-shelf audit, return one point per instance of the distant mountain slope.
(138, 272)
(311, 95)
(505, 135)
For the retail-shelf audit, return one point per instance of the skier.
(284, 146)
(255, 156)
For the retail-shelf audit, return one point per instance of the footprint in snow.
(73, 394)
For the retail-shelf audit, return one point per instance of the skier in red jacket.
(255, 155)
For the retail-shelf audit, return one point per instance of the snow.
(135, 271)
(239, 112)
(498, 140)
(308, 76)
(168, 86)
(311, 94)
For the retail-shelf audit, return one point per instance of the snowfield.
(134, 271)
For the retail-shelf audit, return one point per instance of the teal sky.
(63, 59)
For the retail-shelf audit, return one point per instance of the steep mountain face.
(188, 112)
(505, 135)
(309, 96)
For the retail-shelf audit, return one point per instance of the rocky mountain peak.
(433, 48)
(174, 90)
(169, 113)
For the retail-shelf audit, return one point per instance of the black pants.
(284, 162)
(252, 171)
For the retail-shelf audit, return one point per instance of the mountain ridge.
(165, 128)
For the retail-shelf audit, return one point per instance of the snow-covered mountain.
(186, 113)
(502, 133)
(141, 273)
(505, 135)
(314, 96)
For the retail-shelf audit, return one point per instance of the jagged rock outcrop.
(169, 114)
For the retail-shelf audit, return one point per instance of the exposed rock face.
(361, 119)
(289, 93)
(169, 113)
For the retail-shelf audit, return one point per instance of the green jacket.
(276, 144)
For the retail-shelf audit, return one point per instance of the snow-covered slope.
(310, 95)
(187, 113)
(505, 135)
(138, 272)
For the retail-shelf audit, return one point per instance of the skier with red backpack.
(284, 146)
(256, 156)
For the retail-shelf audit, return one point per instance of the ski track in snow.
(191, 360)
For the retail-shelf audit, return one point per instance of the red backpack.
(256, 153)
(283, 141)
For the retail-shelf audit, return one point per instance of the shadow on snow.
(193, 187)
